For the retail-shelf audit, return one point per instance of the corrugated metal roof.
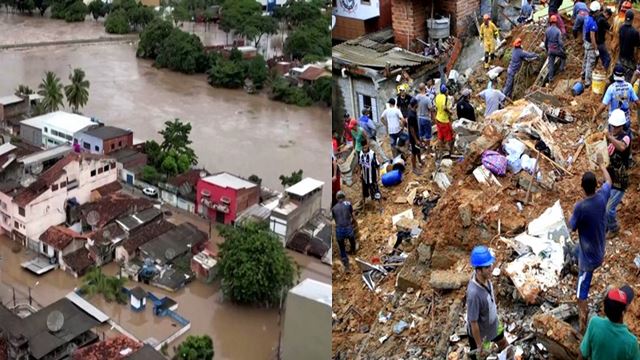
(87, 307)
(369, 53)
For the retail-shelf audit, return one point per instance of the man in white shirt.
(394, 122)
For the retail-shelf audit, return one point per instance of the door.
(129, 179)
(220, 217)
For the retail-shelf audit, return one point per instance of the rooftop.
(44, 155)
(59, 237)
(191, 177)
(68, 122)
(109, 188)
(79, 261)
(7, 148)
(138, 292)
(8, 100)
(146, 353)
(166, 247)
(312, 73)
(107, 132)
(313, 290)
(132, 222)
(127, 156)
(304, 187)
(144, 234)
(227, 180)
(115, 348)
(110, 233)
(111, 207)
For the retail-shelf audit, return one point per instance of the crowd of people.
(407, 123)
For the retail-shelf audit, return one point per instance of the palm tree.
(51, 90)
(23, 90)
(78, 91)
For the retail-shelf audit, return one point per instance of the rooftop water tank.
(438, 28)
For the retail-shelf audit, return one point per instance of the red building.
(221, 197)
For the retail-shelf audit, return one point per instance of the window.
(45, 129)
(97, 148)
(99, 170)
(16, 225)
(54, 187)
(119, 143)
(365, 2)
(367, 102)
(93, 173)
(21, 211)
(72, 184)
(63, 184)
(106, 168)
(113, 165)
(87, 146)
(113, 146)
(68, 137)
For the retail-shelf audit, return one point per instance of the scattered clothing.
(492, 98)
(605, 339)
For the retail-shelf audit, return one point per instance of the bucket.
(398, 164)
(577, 88)
(597, 144)
(392, 178)
(598, 83)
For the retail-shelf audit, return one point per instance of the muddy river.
(232, 131)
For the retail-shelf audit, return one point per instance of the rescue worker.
(488, 35)
(618, 21)
(619, 95)
(484, 327)
(588, 219)
(403, 99)
(517, 56)
(620, 158)
(591, 52)
(554, 6)
(555, 48)
(629, 41)
(580, 12)
(601, 37)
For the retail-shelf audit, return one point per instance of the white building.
(53, 129)
(299, 204)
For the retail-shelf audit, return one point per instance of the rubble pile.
(416, 307)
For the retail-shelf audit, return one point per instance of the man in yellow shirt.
(488, 36)
(444, 111)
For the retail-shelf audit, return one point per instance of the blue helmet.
(481, 256)
(443, 89)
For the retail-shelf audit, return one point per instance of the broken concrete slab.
(561, 339)
(406, 224)
(412, 273)
(448, 280)
(444, 259)
(405, 214)
(526, 181)
(424, 253)
(465, 214)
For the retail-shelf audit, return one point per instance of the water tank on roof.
(438, 28)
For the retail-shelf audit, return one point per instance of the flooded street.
(233, 131)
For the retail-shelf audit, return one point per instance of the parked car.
(151, 192)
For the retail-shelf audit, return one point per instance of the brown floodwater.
(232, 131)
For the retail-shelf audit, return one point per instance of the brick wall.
(384, 20)
(461, 12)
(409, 21)
(347, 29)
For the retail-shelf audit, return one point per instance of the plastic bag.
(495, 162)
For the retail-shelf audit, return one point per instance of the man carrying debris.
(369, 167)
(580, 12)
(482, 311)
(588, 219)
(603, 28)
(342, 213)
(619, 95)
(629, 41)
(464, 109)
(403, 99)
(394, 122)
(620, 157)
(591, 52)
(517, 56)
(425, 108)
(414, 140)
(493, 98)
(370, 131)
(609, 338)
(444, 111)
(488, 35)
(555, 48)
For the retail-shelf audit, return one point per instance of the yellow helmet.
(403, 87)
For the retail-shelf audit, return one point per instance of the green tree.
(150, 174)
(254, 266)
(195, 348)
(320, 90)
(96, 282)
(25, 6)
(257, 71)
(51, 90)
(292, 179)
(180, 14)
(296, 13)
(169, 166)
(97, 9)
(154, 152)
(227, 74)
(175, 137)
(42, 6)
(152, 37)
(282, 90)
(78, 91)
(76, 12)
(23, 90)
(117, 22)
(245, 17)
(140, 16)
(125, 5)
(182, 52)
(255, 179)
(307, 41)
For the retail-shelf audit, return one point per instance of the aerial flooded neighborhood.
(164, 189)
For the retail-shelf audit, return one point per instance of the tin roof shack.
(130, 163)
(299, 204)
(307, 303)
(58, 241)
(53, 332)
(180, 191)
(13, 106)
(128, 250)
(366, 69)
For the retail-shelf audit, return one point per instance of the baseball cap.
(618, 72)
(628, 291)
(628, 16)
(617, 295)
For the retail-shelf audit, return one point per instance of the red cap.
(517, 42)
(617, 295)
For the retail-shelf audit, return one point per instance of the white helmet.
(617, 118)
(595, 6)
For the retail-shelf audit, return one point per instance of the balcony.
(224, 208)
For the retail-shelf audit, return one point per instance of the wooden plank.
(527, 143)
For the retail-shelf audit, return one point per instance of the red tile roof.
(109, 188)
(313, 73)
(79, 261)
(59, 237)
(108, 350)
(114, 206)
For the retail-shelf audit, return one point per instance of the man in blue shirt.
(591, 52)
(369, 127)
(619, 95)
(589, 220)
(554, 47)
(580, 12)
(517, 56)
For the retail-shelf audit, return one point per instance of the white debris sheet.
(541, 251)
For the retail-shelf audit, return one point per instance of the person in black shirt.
(342, 213)
(464, 108)
(629, 41)
(403, 101)
(412, 121)
(603, 27)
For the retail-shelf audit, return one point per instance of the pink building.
(221, 197)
